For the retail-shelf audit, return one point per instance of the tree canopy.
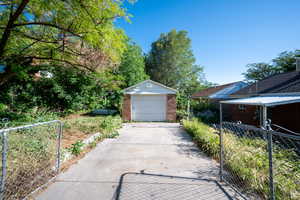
(132, 66)
(284, 62)
(259, 71)
(171, 62)
(63, 33)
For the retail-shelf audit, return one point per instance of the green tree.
(171, 62)
(284, 62)
(259, 71)
(57, 32)
(132, 66)
(68, 90)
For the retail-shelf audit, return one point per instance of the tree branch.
(68, 30)
(37, 39)
(59, 60)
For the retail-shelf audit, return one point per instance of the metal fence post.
(270, 156)
(59, 136)
(188, 108)
(221, 144)
(4, 164)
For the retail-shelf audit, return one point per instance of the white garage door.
(148, 107)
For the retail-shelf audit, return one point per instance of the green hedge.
(248, 159)
(204, 136)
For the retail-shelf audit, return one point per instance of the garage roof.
(265, 100)
(149, 87)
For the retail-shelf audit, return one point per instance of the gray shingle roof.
(288, 82)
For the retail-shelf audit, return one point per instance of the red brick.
(171, 107)
(126, 109)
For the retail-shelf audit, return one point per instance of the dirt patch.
(72, 136)
(79, 127)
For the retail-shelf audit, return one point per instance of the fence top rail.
(286, 135)
(250, 127)
(285, 129)
(245, 126)
(28, 126)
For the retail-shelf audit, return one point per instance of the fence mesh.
(246, 161)
(31, 158)
(286, 165)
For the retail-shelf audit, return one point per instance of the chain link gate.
(30, 156)
(261, 164)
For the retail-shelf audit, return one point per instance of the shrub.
(204, 136)
(69, 90)
(76, 148)
(205, 110)
(33, 115)
(181, 114)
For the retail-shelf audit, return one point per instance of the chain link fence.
(261, 164)
(30, 157)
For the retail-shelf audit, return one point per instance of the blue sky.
(226, 34)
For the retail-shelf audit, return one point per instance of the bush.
(181, 114)
(248, 159)
(205, 110)
(69, 90)
(30, 116)
(76, 148)
(204, 136)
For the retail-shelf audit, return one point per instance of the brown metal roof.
(209, 91)
(281, 83)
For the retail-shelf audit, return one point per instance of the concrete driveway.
(147, 161)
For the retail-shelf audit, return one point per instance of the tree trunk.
(10, 24)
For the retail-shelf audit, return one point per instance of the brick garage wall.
(126, 109)
(171, 107)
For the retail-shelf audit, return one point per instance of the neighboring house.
(280, 85)
(214, 95)
(220, 92)
(149, 101)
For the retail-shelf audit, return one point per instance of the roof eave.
(156, 83)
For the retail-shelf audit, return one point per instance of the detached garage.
(149, 101)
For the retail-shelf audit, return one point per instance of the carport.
(271, 137)
(264, 102)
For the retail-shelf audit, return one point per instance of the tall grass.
(247, 158)
(31, 157)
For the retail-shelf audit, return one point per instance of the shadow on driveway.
(137, 186)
